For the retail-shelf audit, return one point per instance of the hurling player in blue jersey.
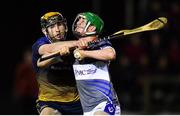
(96, 91)
(57, 86)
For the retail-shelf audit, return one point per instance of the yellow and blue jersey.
(56, 82)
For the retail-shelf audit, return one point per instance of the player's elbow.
(41, 64)
(111, 55)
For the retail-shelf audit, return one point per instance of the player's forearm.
(46, 63)
(54, 47)
(104, 54)
(72, 43)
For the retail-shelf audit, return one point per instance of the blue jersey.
(93, 80)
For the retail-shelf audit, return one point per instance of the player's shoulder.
(41, 40)
(105, 43)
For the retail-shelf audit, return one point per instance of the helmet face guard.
(87, 19)
(80, 30)
(51, 18)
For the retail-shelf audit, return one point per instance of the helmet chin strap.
(49, 38)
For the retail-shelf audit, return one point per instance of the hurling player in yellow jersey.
(57, 88)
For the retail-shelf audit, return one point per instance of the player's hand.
(64, 51)
(78, 54)
(82, 43)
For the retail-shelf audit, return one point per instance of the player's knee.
(49, 111)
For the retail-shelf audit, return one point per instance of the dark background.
(142, 89)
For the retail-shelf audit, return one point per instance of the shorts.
(107, 107)
(70, 108)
